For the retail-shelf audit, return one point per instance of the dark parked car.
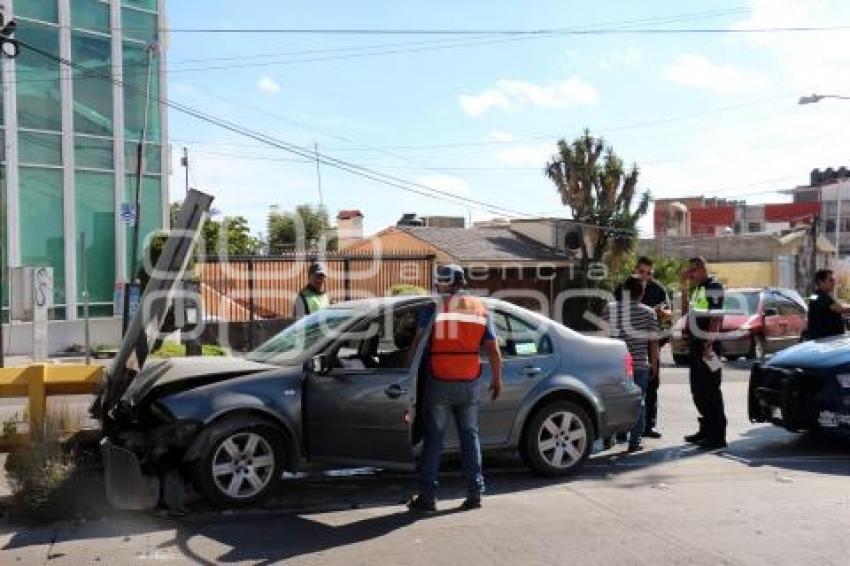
(338, 389)
(755, 322)
(806, 387)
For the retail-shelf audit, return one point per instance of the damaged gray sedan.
(340, 388)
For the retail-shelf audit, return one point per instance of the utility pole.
(150, 50)
(8, 48)
(184, 161)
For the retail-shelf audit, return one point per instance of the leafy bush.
(177, 350)
(406, 289)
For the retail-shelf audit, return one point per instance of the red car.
(755, 322)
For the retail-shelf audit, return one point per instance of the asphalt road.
(771, 498)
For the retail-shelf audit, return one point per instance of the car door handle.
(395, 391)
(531, 371)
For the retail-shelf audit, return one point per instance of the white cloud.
(630, 58)
(697, 71)
(478, 104)
(447, 183)
(531, 155)
(500, 136)
(268, 85)
(512, 94)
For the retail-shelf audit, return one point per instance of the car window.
(520, 337)
(381, 343)
(787, 307)
(303, 336)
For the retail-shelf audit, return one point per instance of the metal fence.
(241, 289)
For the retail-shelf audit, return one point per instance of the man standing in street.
(826, 315)
(655, 297)
(636, 324)
(704, 320)
(460, 325)
(312, 297)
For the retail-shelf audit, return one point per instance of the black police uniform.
(823, 321)
(706, 299)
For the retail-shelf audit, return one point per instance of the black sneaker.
(695, 438)
(651, 433)
(718, 444)
(421, 504)
(635, 448)
(470, 503)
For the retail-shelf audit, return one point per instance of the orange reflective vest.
(459, 327)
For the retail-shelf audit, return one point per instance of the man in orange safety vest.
(460, 326)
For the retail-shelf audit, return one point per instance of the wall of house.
(746, 273)
(543, 232)
(394, 240)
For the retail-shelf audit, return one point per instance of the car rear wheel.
(241, 465)
(558, 439)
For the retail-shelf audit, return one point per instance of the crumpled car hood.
(823, 353)
(202, 370)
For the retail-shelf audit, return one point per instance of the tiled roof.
(484, 244)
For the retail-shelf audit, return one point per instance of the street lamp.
(814, 99)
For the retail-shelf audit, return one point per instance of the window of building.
(92, 83)
(138, 25)
(151, 211)
(93, 152)
(135, 91)
(44, 10)
(42, 223)
(39, 94)
(153, 157)
(95, 209)
(754, 227)
(92, 15)
(39, 148)
(143, 4)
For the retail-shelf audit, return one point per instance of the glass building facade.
(70, 136)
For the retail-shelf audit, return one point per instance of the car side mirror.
(770, 311)
(320, 364)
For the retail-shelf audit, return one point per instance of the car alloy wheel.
(562, 440)
(243, 465)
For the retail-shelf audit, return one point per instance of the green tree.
(601, 193)
(234, 228)
(302, 229)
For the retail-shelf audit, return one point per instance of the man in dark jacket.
(826, 315)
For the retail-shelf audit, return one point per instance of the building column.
(165, 147)
(69, 200)
(118, 135)
(10, 119)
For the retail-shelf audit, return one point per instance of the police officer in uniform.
(312, 297)
(460, 325)
(704, 319)
(826, 315)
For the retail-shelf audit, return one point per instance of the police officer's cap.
(450, 275)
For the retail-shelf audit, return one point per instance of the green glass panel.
(95, 211)
(44, 10)
(92, 84)
(37, 148)
(42, 224)
(90, 14)
(39, 95)
(153, 157)
(141, 26)
(143, 4)
(4, 252)
(94, 153)
(136, 93)
(151, 217)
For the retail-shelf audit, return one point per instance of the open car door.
(359, 400)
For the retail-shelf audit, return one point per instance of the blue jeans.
(461, 399)
(642, 381)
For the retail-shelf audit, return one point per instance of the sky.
(479, 116)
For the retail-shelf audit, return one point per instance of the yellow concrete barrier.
(38, 381)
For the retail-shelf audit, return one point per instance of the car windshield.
(742, 302)
(303, 336)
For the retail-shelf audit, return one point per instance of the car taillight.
(630, 366)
